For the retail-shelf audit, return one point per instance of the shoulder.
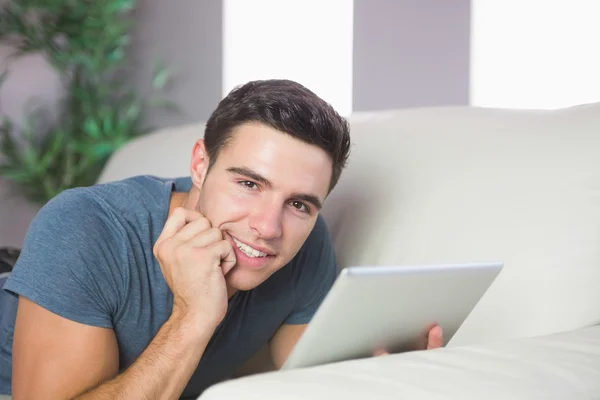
(318, 241)
(71, 211)
(316, 258)
(146, 191)
(94, 222)
(129, 202)
(74, 226)
(314, 270)
(71, 259)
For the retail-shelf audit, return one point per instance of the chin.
(243, 279)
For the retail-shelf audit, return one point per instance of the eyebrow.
(255, 176)
(314, 200)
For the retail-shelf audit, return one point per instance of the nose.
(265, 222)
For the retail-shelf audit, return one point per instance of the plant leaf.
(161, 77)
(56, 142)
(133, 112)
(21, 176)
(107, 125)
(86, 42)
(102, 150)
(92, 129)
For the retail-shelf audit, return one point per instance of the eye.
(249, 184)
(298, 205)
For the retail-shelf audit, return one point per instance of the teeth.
(247, 250)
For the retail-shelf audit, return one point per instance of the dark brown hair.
(288, 107)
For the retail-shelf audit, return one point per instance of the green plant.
(86, 42)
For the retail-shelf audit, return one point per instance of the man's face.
(264, 192)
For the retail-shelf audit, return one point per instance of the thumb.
(226, 255)
(436, 338)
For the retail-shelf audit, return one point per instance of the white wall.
(309, 41)
(539, 54)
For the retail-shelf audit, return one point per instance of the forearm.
(164, 368)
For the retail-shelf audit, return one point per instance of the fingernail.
(440, 333)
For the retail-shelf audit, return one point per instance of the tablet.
(389, 307)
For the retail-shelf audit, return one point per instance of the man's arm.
(76, 360)
(284, 341)
(56, 358)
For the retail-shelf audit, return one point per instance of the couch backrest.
(165, 153)
(460, 184)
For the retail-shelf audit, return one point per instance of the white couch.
(459, 184)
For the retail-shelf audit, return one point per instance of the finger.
(380, 353)
(421, 341)
(226, 255)
(436, 338)
(205, 238)
(177, 220)
(193, 229)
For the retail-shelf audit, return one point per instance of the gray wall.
(410, 53)
(30, 80)
(186, 34)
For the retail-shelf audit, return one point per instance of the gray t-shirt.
(88, 257)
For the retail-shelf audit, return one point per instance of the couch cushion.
(560, 366)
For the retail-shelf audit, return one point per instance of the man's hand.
(431, 338)
(51, 354)
(194, 259)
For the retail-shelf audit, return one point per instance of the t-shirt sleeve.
(69, 260)
(315, 270)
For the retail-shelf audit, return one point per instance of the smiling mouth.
(247, 250)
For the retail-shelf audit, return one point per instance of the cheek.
(296, 231)
(221, 205)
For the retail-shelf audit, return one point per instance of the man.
(157, 288)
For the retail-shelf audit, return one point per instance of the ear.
(199, 163)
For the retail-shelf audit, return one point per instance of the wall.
(411, 53)
(544, 61)
(406, 53)
(188, 36)
(30, 80)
